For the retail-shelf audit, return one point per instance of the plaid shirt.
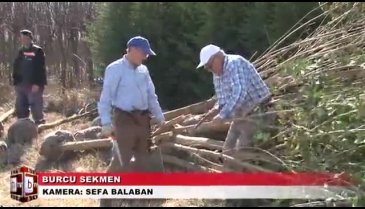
(240, 86)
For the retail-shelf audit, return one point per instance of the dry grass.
(29, 155)
(70, 102)
(33, 159)
(91, 161)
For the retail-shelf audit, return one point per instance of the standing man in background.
(239, 89)
(29, 79)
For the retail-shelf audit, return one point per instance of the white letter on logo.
(28, 185)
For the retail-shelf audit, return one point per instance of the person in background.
(239, 89)
(29, 79)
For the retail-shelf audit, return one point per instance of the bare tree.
(59, 28)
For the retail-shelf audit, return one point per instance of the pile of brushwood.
(318, 93)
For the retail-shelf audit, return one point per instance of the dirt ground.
(92, 161)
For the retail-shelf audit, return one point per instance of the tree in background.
(177, 31)
(59, 28)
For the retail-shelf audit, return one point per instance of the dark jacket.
(29, 66)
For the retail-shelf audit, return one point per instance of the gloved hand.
(106, 131)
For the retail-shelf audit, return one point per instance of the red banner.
(195, 179)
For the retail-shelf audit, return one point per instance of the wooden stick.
(163, 137)
(169, 125)
(185, 164)
(6, 115)
(206, 127)
(217, 157)
(199, 142)
(96, 143)
(212, 164)
(43, 127)
(197, 108)
(86, 145)
(191, 120)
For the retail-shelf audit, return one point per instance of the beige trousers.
(242, 132)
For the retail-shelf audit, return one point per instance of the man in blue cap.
(128, 96)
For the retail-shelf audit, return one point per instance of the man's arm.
(39, 76)
(15, 73)
(239, 90)
(153, 104)
(110, 84)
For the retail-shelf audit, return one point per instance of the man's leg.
(247, 130)
(36, 105)
(125, 134)
(142, 146)
(231, 139)
(21, 102)
(260, 120)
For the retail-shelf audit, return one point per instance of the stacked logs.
(182, 144)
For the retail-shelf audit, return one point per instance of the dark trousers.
(26, 99)
(132, 132)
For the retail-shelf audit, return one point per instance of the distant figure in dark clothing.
(29, 79)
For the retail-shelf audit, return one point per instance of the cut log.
(23, 131)
(211, 164)
(89, 133)
(163, 137)
(87, 145)
(207, 127)
(51, 147)
(197, 108)
(199, 142)
(217, 157)
(169, 125)
(43, 127)
(252, 156)
(192, 120)
(211, 144)
(6, 115)
(187, 165)
(326, 203)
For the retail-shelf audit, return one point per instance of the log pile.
(191, 148)
(182, 144)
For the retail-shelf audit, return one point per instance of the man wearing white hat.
(239, 89)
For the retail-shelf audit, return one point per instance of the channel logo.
(23, 184)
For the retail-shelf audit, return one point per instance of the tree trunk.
(63, 60)
(74, 46)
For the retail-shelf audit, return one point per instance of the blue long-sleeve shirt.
(128, 88)
(240, 86)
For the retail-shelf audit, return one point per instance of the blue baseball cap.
(142, 43)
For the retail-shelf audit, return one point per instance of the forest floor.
(90, 162)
